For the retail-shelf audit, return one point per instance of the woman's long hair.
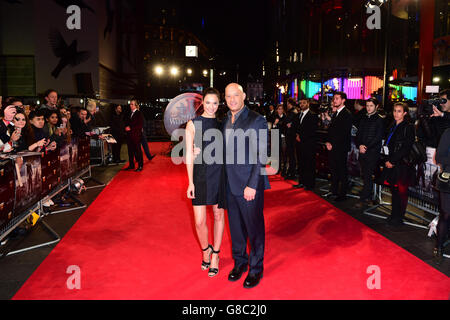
(207, 91)
(27, 131)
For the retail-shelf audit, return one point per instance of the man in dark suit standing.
(246, 157)
(306, 146)
(134, 125)
(339, 145)
(291, 132)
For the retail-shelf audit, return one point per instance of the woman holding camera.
(21, 134)
(399, 173)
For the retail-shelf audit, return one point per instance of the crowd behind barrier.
(26, 178)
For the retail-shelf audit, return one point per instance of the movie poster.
(426, 175)
(68, 160)
(28, 180)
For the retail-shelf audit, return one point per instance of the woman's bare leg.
(202, 230)
(219, 225)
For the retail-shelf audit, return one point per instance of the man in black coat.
(306, 146)
(134, 125)
(368, 141)
(339, 145)
(118, 132)
(291, 133)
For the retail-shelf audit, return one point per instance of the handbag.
(443, 182)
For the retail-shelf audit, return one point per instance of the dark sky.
(236, 30)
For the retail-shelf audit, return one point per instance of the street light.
(189, 71)
(174, 71)
(205, 73)
(159, 70)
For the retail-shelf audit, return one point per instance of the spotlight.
(78, 186)
(436, 79)
(189, 71)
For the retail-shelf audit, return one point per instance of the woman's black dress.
(208, 178)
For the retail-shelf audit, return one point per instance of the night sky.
(235, 30)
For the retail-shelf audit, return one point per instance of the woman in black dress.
(400, 175)
(205, 179)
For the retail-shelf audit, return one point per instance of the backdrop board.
(7, 185)
(28, 180)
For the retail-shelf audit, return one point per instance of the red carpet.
(137, 241)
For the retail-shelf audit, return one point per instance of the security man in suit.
(339, 145)
(306, 146)
(134, 125)
(291, 132)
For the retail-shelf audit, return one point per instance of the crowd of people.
(50, 125)
(388, 138)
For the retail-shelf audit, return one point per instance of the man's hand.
(289, 125)
(389, 165)
(249, 194)
(276, 122)
(329, 146)
(436, 112)
(362, 149)
(298, 138)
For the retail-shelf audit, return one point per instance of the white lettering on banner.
(74, 20)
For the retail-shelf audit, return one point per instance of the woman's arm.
(190, 134)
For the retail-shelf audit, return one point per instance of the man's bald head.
(235, 97)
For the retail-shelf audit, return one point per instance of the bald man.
(246, 182)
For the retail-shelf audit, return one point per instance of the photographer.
(434, 119)
(368, 141)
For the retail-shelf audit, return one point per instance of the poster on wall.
(28, 180)
(441, 51)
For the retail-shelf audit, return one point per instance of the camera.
(324, 108)
(426, 108)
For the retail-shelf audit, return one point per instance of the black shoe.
(138, 169)
(309, 188)
(205, 265)
(236, 273)
(214, 271)
(152, 157)
(290, 177)
(298, 186)
(333, 197)
(395, 223)
(129, 168)
(340, 198)
(438, 255)
(252, 280)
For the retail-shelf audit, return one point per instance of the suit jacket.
(136, 124)
(292, 118)
(307, 130)
(247, 174)
(340, 131)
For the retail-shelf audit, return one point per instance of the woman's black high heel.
(214, 271)
(205, 265)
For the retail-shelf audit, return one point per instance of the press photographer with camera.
(434, 119)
